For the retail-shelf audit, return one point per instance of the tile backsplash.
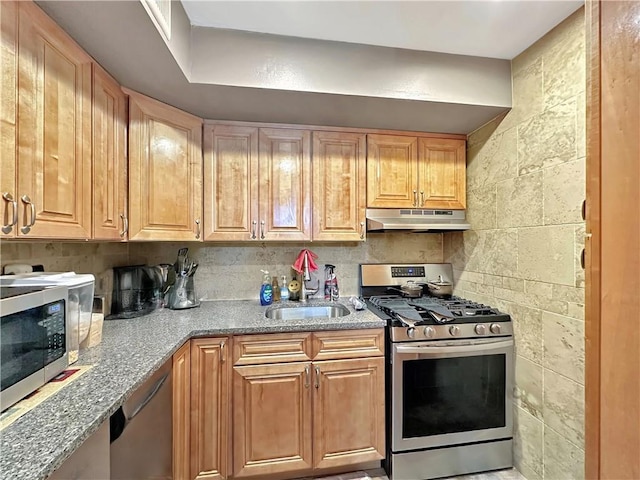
(230, 271)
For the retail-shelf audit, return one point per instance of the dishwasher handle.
(118, 421)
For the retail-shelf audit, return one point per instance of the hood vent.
(415, 220)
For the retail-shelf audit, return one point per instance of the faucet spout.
(306, 276)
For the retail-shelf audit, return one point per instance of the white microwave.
(33, 339)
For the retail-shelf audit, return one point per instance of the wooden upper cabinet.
(165, 171)
(54, 129)
(392, 171)
(230, 182)
(271, 419)
(210, 408)
(181, 415)
(8, 117)
(442, 173)
(339, 186)
(109, 127)
(284, 184)
(257, 183)
(416, 172)
(348, 412)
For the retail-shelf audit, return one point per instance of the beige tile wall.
(229, 271)
(80, 257)
(525, 181)
(232, 271)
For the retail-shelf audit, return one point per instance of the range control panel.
(407, 271)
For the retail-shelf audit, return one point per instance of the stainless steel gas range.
(449, 376)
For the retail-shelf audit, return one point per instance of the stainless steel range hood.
(416, 220)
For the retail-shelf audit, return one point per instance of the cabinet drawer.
(271, 348)
(348, 344)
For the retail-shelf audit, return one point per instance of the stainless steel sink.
(311, 311)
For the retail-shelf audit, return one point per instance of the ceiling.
(483, 28)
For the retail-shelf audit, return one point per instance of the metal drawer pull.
(14, 214)
(415, 198)
(222, 356)
(584, 209)
(421, 198)
(262, 230)
(125, 225)
(307, 373)
(197, 228)
(317, 384)
(253, 230)
(27, 201)
(362, 230)
(582, 259)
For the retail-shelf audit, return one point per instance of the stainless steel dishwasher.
(141, 431)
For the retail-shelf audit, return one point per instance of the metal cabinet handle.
(14, 214)
(582, 259)
(253, 230)
(197, 228)
(421, 198)
(262, 230)
(222, 355)
(27, 201)
(362, 230)
(415, 198)
(317, 383)
(125, 225)
(307, 374)
(584, 210)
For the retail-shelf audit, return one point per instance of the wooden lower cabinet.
(181, 402)
(271, 419)
(278, 405)
(348, 412)
(299, 416)
(210, 408)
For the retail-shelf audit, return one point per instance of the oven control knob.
(481, 329)
(411, 332)
(429, 332)
(495, 328)
(454, 330)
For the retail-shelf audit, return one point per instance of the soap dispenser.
(284, 290)
(266, 291)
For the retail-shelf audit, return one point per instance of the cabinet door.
(165, 171)
(271, 419)
(230, 182)
(392, 171)
(348, 412)
(285, 184)
(181, 402)
(9, 85)
(54, 128)
(442, 173)
(339, 186)
(109, 123)
(210, 408)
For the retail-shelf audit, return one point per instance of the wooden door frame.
(612, 243)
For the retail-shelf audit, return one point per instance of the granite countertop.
(131, 350)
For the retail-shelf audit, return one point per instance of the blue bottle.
(266, 291)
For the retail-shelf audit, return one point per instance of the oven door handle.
(435, 349)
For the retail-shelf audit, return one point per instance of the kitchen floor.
(380, 474)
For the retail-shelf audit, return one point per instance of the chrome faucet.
(306, 276)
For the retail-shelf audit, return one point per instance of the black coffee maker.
(137, 290)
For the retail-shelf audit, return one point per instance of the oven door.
(451, 392)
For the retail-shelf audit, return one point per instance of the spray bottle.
(330, 283)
